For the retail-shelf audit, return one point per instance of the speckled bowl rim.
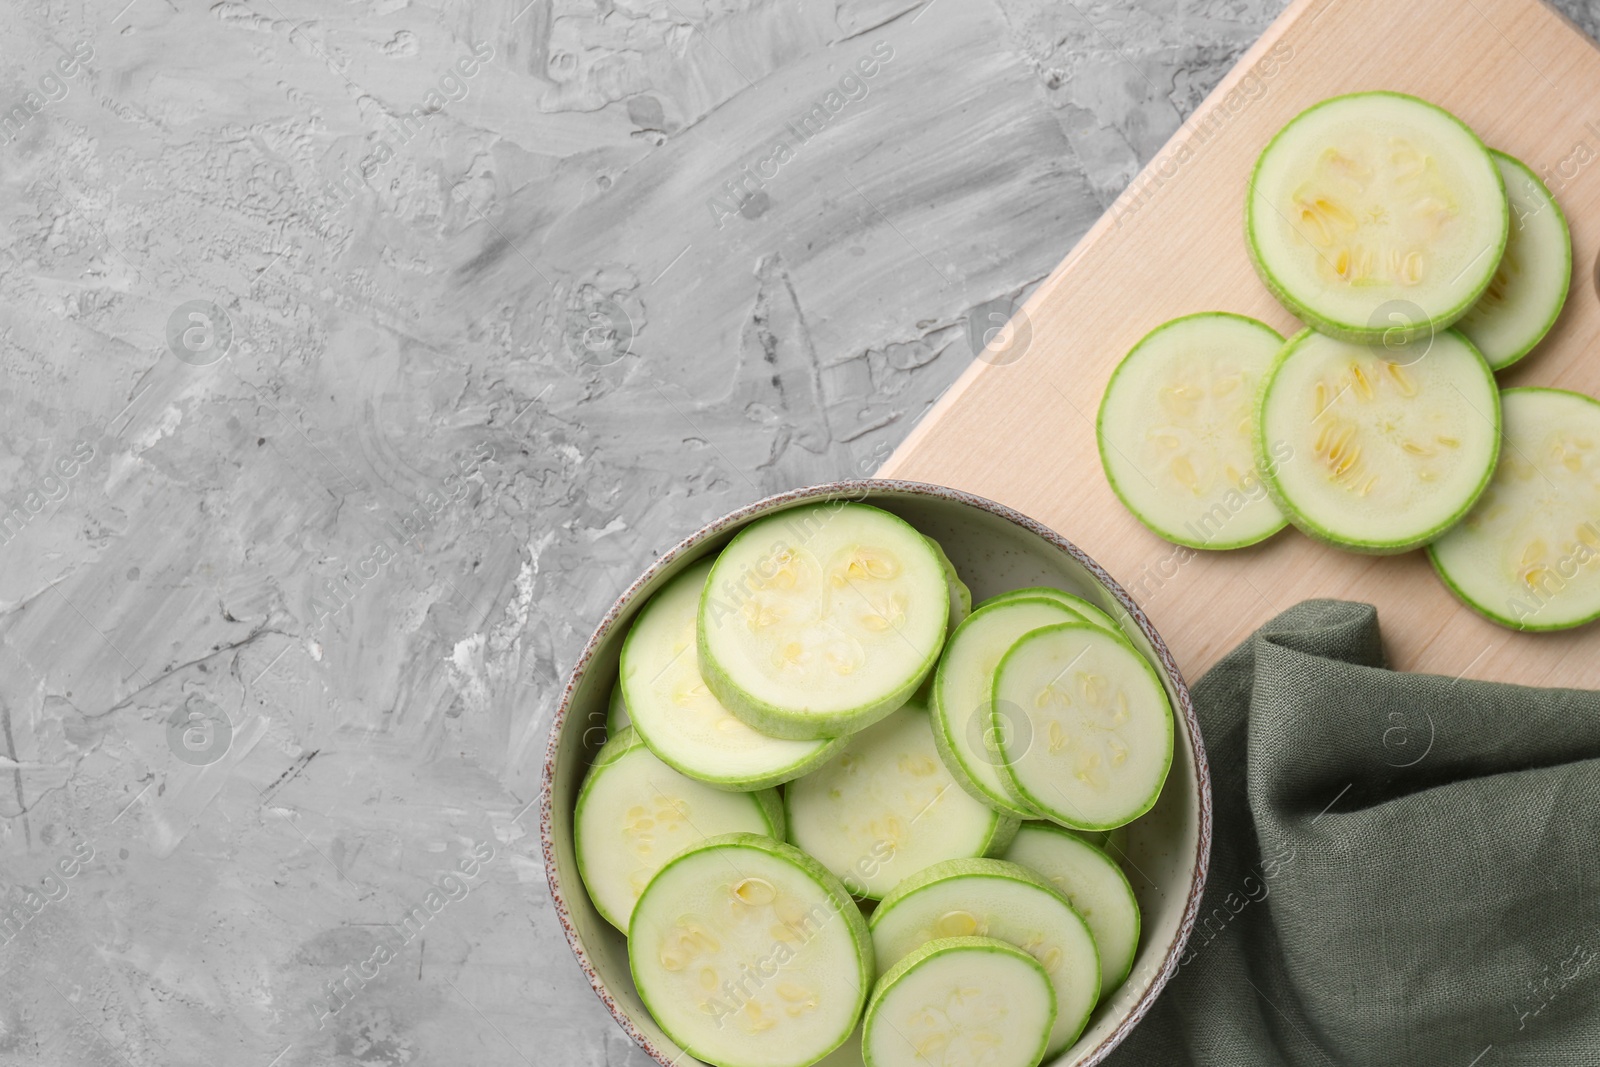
(857, 488)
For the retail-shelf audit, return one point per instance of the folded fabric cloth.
(1406, 867)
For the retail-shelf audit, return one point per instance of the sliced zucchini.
(1530, 286)
(886, 807)
(634, 813)
(1528, 556)
(677, 715)
(960, 595)
(819, 621)
(748, 953)
(616, 710)
(1378, 449)
(960, 608)
(1101, 743)
(1078, 605)
(992, 898)
(963, 711)
(961, 1000)
(1094, 884)
(1376, 217)
(1176, 431)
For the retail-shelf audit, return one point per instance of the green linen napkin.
(1406, 869)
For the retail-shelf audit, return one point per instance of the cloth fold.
(1406, 868)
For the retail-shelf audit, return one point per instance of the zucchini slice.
(1102, 736)
(1376, 217)
(616, 710)
(993, 898)
(819, 621)
(677, 715)
(634, 813)
(1378, 449)
(1530, 286)
(960, 1000)
(749, 954)
(1094, 884)
(1176, 431)
(963, 711)
(1528, 556)
(886, 807)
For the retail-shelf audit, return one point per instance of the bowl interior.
(994, 551)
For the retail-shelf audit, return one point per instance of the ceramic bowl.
(995, 549)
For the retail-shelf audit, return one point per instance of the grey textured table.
(355, 356)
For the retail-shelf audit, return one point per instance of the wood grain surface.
(1019, 425)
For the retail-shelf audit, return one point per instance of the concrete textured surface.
(357, 355)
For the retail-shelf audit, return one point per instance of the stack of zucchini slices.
(816, 726)
(1422, 263)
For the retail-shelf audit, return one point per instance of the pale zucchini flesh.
(960, 1002)
(1176, 431)
(1378, 449)
(886, 807)
(1530, 285)
(1528, 555)
(634, 813)
(964, 725)
(679, 717)
(1095, 885)
(749, 954)
(1102, 728)
(1376, 217)
(992, 898)
(820, 620)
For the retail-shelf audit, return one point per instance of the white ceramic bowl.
(994, 549)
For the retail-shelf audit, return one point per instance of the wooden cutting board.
(1022, 431)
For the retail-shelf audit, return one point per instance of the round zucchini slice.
(748, 953)
(1094, 884)
(1376, 217)
(1176, 431)
(1102, 733)
(1378, 449)
(1530, 286)
(634, 813)
(678, 716)
(818, 621)
(993, 898)
(886, 807)
(964, 727)
(960, 1000)
(1528, 556)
